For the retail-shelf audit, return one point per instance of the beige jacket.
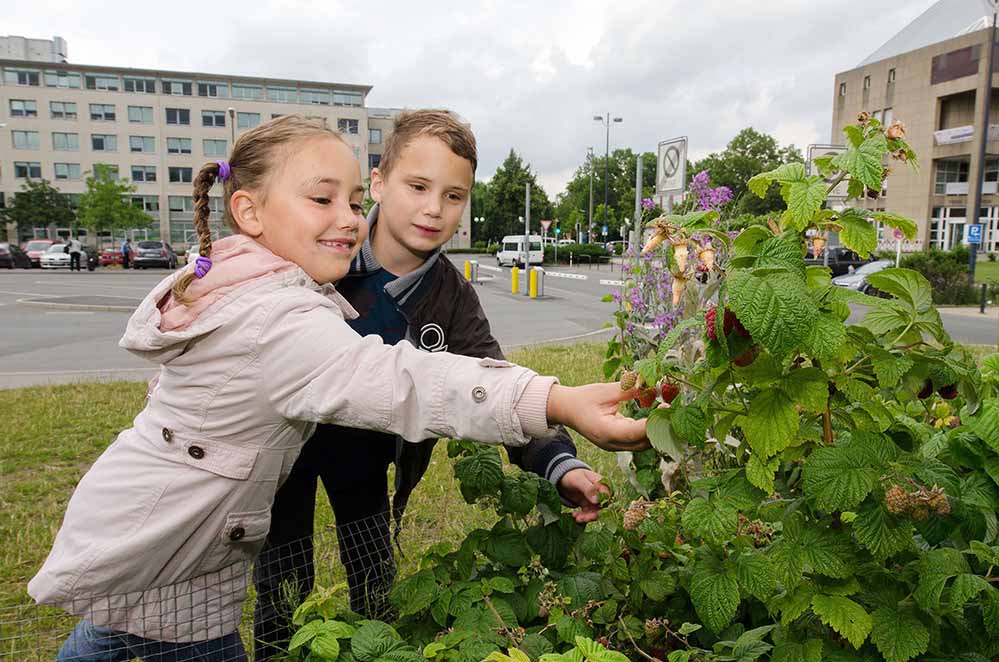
(158, 534)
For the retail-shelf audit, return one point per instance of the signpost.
(838, 194)
(974, 239)
(671, 169)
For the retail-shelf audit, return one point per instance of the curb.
(37, 303)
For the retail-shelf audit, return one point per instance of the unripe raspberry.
(636, 514)
(897, 500)
(938, 502)
(628, 380)
(920, 513)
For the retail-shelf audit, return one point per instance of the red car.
(35, 248)
(110, 256)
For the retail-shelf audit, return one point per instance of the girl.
(254, 350)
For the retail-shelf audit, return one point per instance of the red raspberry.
(669, 391)
(926, 391)
(647, 397)
(747, 357)
(709, 321)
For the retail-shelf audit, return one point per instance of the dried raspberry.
(897, 500)
(636, 514)
(863, 117)
(938, 501)
(896, 131)
(920, 513)
(948, 392)
(669, 391)
(926, 391)
(628, 380)
(747, 357)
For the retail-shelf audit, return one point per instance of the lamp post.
(986, 90)
(478, 220)
(232, 126)
(589, 163)
(607, 123)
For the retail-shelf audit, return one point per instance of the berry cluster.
(637, 511)
(917, 503)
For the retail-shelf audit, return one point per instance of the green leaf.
(674, 334)
(519, 494)
(536, 645)
(881, 532)
(795, 603)
(854, 134)
(776, 308)
(747, 241)
(756, 575)
(657, 584)
(826, 337)
(781, 253)
(689, 628)
(660, 432)
(840, 477)
(373, 640)
(844, 616)
(965, 587)
(762, 475)
(985, 423)
(648, 370)
(792, 651)
(889, 368)
(810, 388)
(714, 591)
(772, 423)
(596, 543)
(858, 234)
(906, 285)
(715, 521)
(899, 634)
(689, 424)
(907, 226)
(750, 645)
(325, 646)
(580, 588)
(935, 567)
(480, 473)
(507, 546)
(549, 542)
(864, 161)
(803, 200)
(305, 634)
(415, 593)
(990, 612)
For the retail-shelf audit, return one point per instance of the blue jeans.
(89, 643)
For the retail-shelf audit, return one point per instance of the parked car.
(110, 256)
(857, 279)
(192, 254)
(839, 262)
(35, 248)
(511, 251)
(12, 256)
(154, 254)
(56, 257)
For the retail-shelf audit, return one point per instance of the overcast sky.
(528, 75)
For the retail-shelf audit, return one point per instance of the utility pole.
(986, 90)
(637, 232)
(589, 231)
(607, 124)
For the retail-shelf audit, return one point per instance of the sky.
(528, 75)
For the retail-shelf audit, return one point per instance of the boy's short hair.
(442, 124)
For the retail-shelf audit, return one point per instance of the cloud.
(527, 75)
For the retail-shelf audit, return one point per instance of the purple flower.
(648, 204)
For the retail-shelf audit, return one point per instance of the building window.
(216, 90)
(23, 108)
(104, 142)
(145, 173)
(180, 88)
(67, 171)
(374, 160)
(63, 79)
(375, 136)
(180, 203)
(140, 114)
(215, 147)
(950, 172)
(21, 77)
(110, 170)
(867, 82)
(842, 89)
(345, 98)
(247, 120)
(180, 175)
(178, 116)
(26, 139)
(178, 145)
(142, 144)
(27, 170)
(104, 82)
(344, 125)
(102, 112)
(213, 118)
(144, 85)
(250, 92)
(65, 142)
(991, 170)
(888, 116)
(62, 110)
(891, 76)
(317, 97)
(282, 94)
(146, 202)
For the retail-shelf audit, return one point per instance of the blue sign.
(975, 233)
(604, 231)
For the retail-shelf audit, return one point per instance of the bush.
(478, 247)
(589, 252)
(947, 272)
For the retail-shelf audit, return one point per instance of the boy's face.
(423, 196)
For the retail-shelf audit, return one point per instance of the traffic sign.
(975, 233)
(604, 231)
(671, 166)
(546, 224)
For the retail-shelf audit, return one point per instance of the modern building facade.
(154, 128)
(933, 76)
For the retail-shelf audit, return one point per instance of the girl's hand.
(582, 487)
(592, 411)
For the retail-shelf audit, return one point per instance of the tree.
(505, 199)
(105, 205)
(39, 203)
(479, 203)
(749, 152)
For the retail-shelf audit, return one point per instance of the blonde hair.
(252, 161)
(442, 124)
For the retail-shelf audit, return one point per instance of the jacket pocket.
(219, 458)
(238, 539)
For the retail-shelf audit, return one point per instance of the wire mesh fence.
(241, 612)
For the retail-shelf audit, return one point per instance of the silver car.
(857, 278)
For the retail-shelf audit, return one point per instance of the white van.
(511, 251)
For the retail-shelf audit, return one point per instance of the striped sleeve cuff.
(532, 407)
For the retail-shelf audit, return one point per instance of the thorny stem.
(635, 644)
(836, 182)
(827, 431)
(502, 623)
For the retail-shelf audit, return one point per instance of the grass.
(52, 435)
(986, 272)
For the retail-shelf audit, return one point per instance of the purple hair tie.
(225, 170)
(202, 266)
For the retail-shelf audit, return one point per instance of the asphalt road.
(40, 345)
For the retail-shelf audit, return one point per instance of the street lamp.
(589, 166)
(232, 125)
(606, 122)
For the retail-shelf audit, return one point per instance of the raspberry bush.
(817, 490)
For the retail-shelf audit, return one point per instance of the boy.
(404, 290)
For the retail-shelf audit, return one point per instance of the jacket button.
(479, 393)
(167, 435)
(197, 452)
(237, 534)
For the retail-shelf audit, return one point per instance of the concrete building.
(933, 77)
(154, 128)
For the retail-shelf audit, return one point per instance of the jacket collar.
(401, 289)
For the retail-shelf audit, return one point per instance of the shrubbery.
(589, 253)
(947, 272)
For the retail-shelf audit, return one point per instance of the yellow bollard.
(515, 280)
(532, 283)
(468, 270)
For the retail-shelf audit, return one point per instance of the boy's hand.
(592, 411)
(581, 487)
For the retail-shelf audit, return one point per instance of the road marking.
(70, 312)
(562, 274)
(616, 283)
(102, 371)
(92, 284)
(29, 294)
(489, 268)
(562, 339)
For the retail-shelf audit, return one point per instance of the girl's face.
(310, 212)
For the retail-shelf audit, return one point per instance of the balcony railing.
(961, 188)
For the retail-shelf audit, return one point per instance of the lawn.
(52, 434)
(986, 272)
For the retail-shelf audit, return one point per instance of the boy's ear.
(377, 182)
(243, 208)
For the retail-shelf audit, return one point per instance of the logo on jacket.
(432, 338)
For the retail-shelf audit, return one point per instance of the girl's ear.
(243, 208)
(377, 181)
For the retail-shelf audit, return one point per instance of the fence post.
(985, 292)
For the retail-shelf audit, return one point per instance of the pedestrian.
(154, 548)
(75, 248)
(126, 253)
